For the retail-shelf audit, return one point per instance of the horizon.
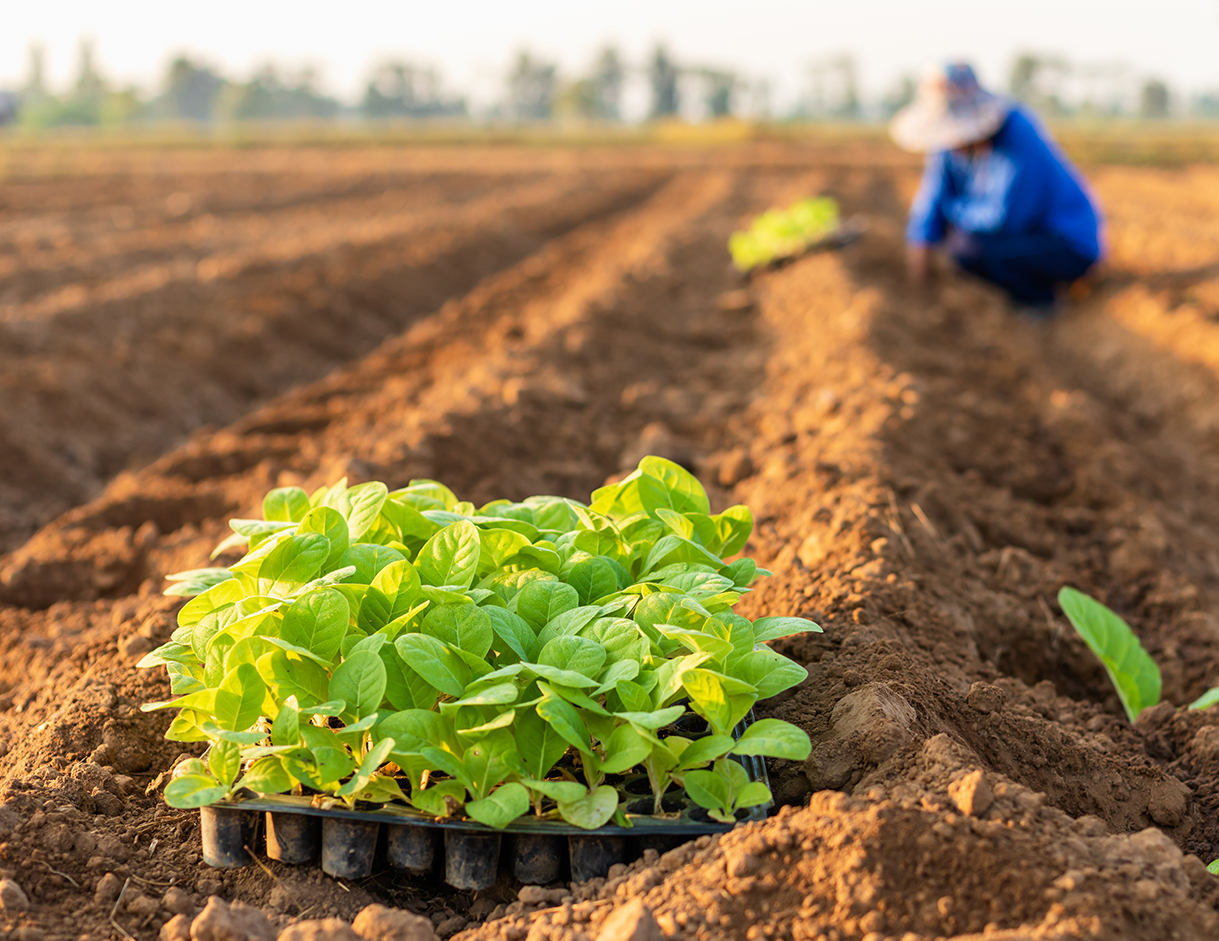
(472, 44)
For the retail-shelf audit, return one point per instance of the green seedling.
(783, 233)
(1133, 672)
(725, 789)
(378, 646)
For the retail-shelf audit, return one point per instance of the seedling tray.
(351, 843)
(848, 232)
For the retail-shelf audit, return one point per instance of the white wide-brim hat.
(950, 110)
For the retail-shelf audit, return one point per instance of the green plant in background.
(1134, 675)
(783, 233)
(406, 646)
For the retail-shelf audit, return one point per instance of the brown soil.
(926, 471)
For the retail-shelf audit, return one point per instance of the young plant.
(783, 233)
(406, 646)
(1133, 672)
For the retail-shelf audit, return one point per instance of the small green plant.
(522, 657)
(1133, 672)
(783, 233)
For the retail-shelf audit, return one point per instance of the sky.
(473, 41)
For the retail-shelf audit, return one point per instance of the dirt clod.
(319, 929)
(176, 929)
(972, 794)
(12, 897)
(381, 923)
(630, 922)
(220, 921)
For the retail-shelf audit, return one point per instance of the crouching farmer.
(996, 192)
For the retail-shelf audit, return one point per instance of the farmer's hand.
(916, 262)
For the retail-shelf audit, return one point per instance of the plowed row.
(925, 470)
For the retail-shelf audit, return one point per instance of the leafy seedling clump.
(492, 662)
(783, 233)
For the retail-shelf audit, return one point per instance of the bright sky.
(472, 41)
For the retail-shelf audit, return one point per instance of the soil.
(926, 470)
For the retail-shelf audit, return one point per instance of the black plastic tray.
(848, 232)
(350, 843)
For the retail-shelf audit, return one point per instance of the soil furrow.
(115, 380)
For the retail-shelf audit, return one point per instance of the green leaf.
(188, 791)
(267, 776)
(565, 720)
(288, 504)
(591, 811)
(361, 505)
(291, 563)
(368, 560)
(515, 632)
(451, 556)
(227, 592)
(328, 522)
(769, 672)
(440, 799)
(224, 762)
(394, 592)
(239, 698)
(625, 749)
(722, 700)
(537, 742)
(317, 622)
(463, 626)
(702, 750)
(575, 654)
(753, 794)
(501, 806)
(765, 629)
(774, 738)
(360, 682)
(286, 729)
(566, 791)
(288, 674)
(708, 790)
(593, 578)
(734, 526)
(1133, 673)
(434, 661)
(653, 720)
(686, 493)
(541, 601)
(1209, 698)
(1213, 867)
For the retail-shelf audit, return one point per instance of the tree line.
(533, 90)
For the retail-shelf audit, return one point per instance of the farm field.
(181, 331)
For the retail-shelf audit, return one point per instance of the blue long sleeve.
(1025, 185)
(926, 225)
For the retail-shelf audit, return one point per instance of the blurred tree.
(1039, 80)
(191, 90)
(267, 97)
(718, 88)
(1154, 99)
(835, 88)
(531, 89)
(401, 90)
(899, 96)
(35, 83)
(663, 75)
(606, 82)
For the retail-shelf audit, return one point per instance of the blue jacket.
(1025, 186)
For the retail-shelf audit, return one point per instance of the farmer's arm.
(926, 224)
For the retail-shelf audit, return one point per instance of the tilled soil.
(925, 469)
